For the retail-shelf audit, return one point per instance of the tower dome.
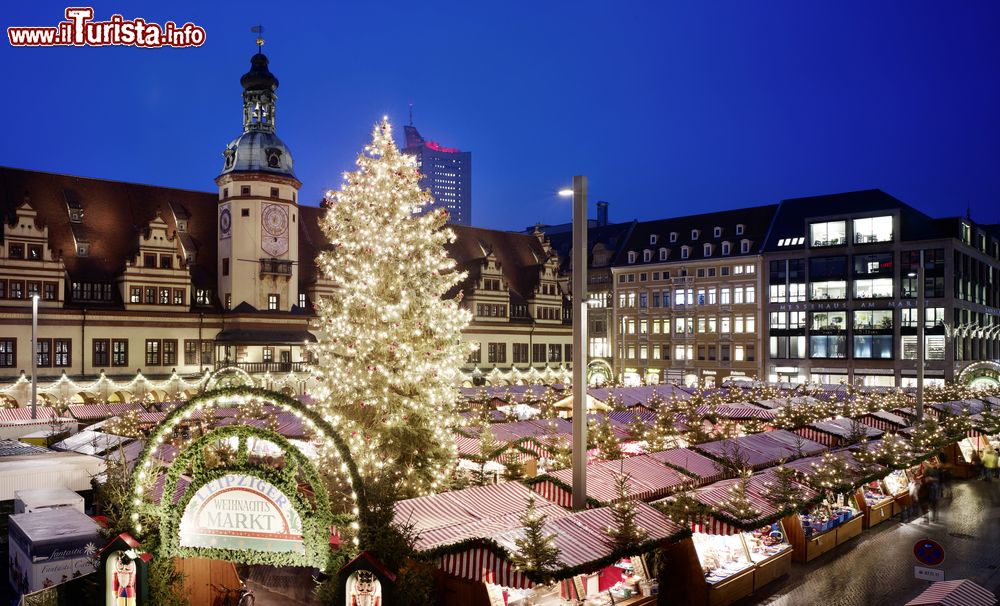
(258, 149)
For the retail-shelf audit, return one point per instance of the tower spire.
(259, 30)
(411, 114)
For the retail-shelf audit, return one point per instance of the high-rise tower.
(447, 172)
(258, 212)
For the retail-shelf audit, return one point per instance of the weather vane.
(259, 30)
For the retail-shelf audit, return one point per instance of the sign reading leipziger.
(240, 511)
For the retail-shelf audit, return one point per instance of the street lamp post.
(920, 336)
(579, 297)
(34, 357)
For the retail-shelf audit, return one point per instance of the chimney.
(602, 213)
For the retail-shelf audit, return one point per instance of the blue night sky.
(669, 108)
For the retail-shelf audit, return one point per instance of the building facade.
(604, 241)
(447, 173)
(841, 274)
(516, 294)
(686, 299)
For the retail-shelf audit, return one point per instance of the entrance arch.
(599, 373)
(312, 513)
(981, 375)
(229, 376)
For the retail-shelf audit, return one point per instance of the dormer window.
(685, 252)
(673, 236)
(83, 249)
(708, 250)
(631, 256)
(739, 229)
(75, 215)
(182, 226)
(647, 256)
(745, 246)
(663, 254)
(717, 232)
(230, 158)
(726, 248)
(652, 238)
(694, 234)
(273, 157)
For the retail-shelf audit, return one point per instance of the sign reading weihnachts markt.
(242, 512)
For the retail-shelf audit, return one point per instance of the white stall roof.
(38, 498)
(55, 469)
(54, 524)
(90, 442)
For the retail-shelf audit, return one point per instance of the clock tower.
(258, 205)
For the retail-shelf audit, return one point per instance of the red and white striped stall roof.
(822, 437)
(91, 412)
(884, 420)
(705, 469)
(962, 592)
(23, 413)
(649, 479)
(478, 512)
(743, 412)
(795, 442)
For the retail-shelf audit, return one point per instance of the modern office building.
(686, 299)
(842, 291)
(446, 171)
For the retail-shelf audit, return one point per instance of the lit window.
(832, 233)
(873, 229)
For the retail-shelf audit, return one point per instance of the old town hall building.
(152, 280)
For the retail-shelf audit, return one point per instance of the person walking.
(989, 464)
(914, 490)
(933, 495)
(977, 464)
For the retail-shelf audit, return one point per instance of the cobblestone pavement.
(877, 567)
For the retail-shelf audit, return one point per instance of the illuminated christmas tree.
(389, 343)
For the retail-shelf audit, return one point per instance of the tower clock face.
(274, 229)
(225, 221)
(274, 220)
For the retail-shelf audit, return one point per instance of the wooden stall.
(811, 535)
(875, 503)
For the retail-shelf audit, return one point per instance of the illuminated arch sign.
(981, 375)
(241, 512)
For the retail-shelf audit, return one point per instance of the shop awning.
(91, 412)
(954, 593)
(237, 336)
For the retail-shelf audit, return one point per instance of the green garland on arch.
(167, 516)
(316, 517)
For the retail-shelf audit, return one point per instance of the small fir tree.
(626, 533)
(602, 437)
(537, 554)
(783, 492)
(737, 504)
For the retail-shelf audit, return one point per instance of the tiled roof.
(755, 221)
(520, 256)
(114, 214)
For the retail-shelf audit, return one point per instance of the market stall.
(898, 485)
(737, 555)
(704, 470)
(822, 527)
(875, 502)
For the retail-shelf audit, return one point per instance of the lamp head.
(566, 192)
